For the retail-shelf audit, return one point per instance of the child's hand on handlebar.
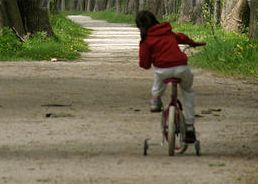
(198, 44)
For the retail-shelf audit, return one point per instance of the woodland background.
(30, 16)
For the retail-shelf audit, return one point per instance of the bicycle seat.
(172, 80)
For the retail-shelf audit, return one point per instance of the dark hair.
(144, 20)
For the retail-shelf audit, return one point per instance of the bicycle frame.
(173, 102)
(173, 124)
(172, 120)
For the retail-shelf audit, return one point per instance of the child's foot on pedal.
(156, 104)
(190, 136)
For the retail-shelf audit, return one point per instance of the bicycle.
(173, 124)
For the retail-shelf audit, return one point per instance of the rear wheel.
(171, 131)
(180, 145)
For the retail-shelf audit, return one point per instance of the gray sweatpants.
(186, 76)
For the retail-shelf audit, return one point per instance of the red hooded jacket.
(161, 49)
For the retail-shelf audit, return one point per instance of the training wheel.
(145, 147)
(197, 147)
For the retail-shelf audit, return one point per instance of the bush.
(9, 43)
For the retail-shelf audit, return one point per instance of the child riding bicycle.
(159, 47)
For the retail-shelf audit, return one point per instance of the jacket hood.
(160, 29)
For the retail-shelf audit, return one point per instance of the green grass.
(66, 44)
(231, 54)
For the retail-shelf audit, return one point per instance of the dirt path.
(85, 122)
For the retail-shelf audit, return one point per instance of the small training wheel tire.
(145, 147)
(197, 148)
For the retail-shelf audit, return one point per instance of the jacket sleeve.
(144, 56)
(184, 39)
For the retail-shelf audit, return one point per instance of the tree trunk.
(136, 6)
(160, 8)
(228, 5)
(132, 7)
(170, 7)
(118, 6)
(55, 6)
(85, 4)
(142, 4)
(235, 19)
(12, 17)
(72, 5)
(175, 4)
(4, 21)
(155, 6)
(186, 10)
(1, 16)
(110, 4)
(151, 6)
(80, 5)
(90, 6)
(253, 28)
(35, 17)
(100, 5)
(1, 21)
(217, 11)
(197, 15)
(62, 5)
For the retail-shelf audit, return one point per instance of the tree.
(54, 5)
(186, 10)
(11, 16)
(25, 16)
(132, 7)
(217, 11)
(90, 5)
(198, 12)
(62, 6)
(118, 6)
(142, 4)
(253, 28)
(155, 6)
(169, 6)
(80, 5)
(35, 17)
(3, 15)
(110, 4)
(1, 19)
(234, 16)
(100, 5)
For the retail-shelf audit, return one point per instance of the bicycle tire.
(180, 136)
(171, 131)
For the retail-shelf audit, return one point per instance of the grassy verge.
(228, 53)
(66, 45)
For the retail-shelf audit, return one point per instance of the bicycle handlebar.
(199, 44)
